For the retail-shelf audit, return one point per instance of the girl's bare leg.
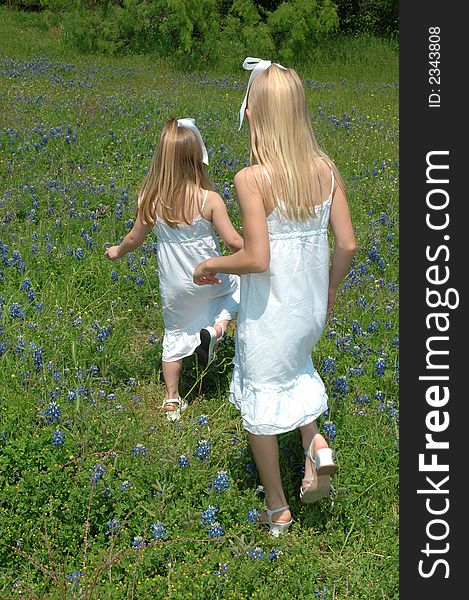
(220, 328)
(265, 451)
(307, 434)
(171, 373)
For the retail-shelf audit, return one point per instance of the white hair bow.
(190, 124)
(257, 66)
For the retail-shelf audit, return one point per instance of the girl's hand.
(201, 277)
(112, 252)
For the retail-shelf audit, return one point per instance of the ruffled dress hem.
(273, 410)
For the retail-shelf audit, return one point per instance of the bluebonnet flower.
(215, 531)
(328, 365)
(380, 366)
(131, 382)
(140, 280)
(341, 386)
(256, 552)
(39, 306)
(79, 253)
(77, 321)
(19, 347)
(74, 578)
(113, 526)
(202, 420)
(221, 482)
(38, 359)
(139, 450)
(93, 370)
(373, 326)
(125, 485)
(138, 542)
(183, 461)
(3, 347)
(362, 302)
(153, 339)
(26, 284)
(159, 531)
(330, 430)
(253, 515)
(16, 311)
(360, 369)
(209, 515)
(52, 412)
(322, 594)
(58, 438)
(379, 395)
(274, 554)
(203, 450)
(362, 400)
(222, 571)
(114, 276)
(98, 472)
(250, 468)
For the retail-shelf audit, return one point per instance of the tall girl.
(288, 198)
(177, 203)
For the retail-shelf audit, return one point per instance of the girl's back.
(179, 250)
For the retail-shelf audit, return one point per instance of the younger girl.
(288, 198)
(176, 202)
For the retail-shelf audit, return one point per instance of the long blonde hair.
(172, 185)
(283, 142)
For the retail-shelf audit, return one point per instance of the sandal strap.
(309, 452)
(172, 401)
(272, 511)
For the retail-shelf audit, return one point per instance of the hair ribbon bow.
(256, 66)
(189, 123)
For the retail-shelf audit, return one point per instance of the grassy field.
(101, 497)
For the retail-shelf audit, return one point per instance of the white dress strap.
(332, 180)
(204, 201)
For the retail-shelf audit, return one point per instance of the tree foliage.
(211, 30)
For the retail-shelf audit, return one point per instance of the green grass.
(106, 114)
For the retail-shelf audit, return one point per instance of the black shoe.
(205, 350)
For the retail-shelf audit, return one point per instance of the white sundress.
(188, 307)
(282, 314)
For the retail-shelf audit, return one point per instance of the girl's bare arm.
(223, 224)
(254, 257)
(133, 240)
(344, 243)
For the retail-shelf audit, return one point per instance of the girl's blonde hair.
(171, 188)
(283, 142)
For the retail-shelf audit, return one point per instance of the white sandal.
(323, 466)
(276, 527)
(174, 415)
